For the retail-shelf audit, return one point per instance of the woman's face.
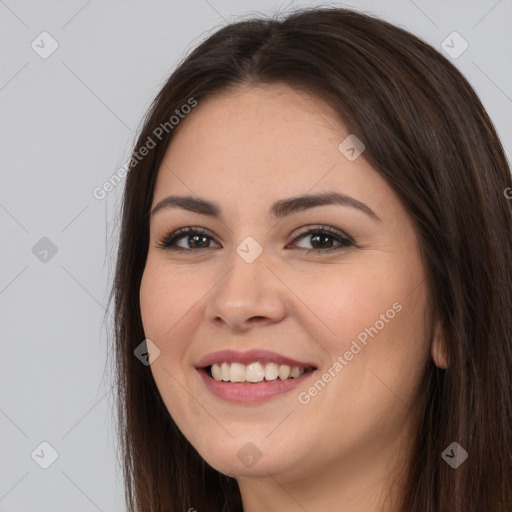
(263, 275)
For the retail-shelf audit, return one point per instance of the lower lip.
(244, 392)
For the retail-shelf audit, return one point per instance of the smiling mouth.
(255, 372)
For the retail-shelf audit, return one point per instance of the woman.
(313, 285)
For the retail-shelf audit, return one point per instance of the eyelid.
(176, 234)
(321, 227)
(167, 242)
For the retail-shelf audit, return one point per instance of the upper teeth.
(254, 372)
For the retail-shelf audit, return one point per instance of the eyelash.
(168, 241)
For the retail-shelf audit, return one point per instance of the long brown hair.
(428, 135)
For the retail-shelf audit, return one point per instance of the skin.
(245, 149)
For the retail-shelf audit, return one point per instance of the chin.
(240, 458)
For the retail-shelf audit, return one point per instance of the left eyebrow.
(279, 209)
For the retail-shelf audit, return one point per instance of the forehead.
(253, 123)
(265, 141)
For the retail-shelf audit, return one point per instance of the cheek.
(350, 300)
(381, 330)
(152, 304)
(375, 319)
(164, 300)
(165, 304)
(380, 334)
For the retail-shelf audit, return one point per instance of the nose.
(248, 294)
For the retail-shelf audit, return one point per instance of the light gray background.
(67, 124)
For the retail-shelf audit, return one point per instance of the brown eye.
(323, 240)
(194, 239)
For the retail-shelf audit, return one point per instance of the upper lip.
(248, 357)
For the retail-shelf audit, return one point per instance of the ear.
(439, 351)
